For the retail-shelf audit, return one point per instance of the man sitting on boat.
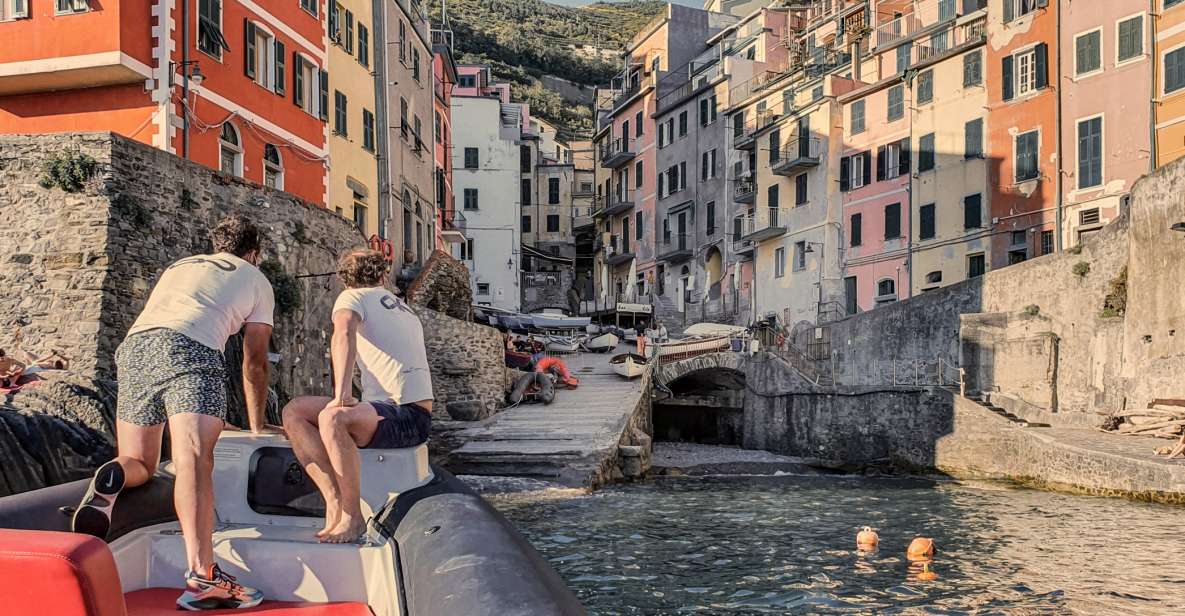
(376, 330)
(170, 368)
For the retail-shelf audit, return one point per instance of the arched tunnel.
(704, 406)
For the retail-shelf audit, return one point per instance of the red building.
(451, 224)
(237, 86)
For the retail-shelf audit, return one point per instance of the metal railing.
(801, 148)
(949, 39)
(743, 226)
(744, 188)
(615, 147)
(673, 242)
(453, 221)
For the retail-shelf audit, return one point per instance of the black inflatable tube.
(460, 557)
(52, 508)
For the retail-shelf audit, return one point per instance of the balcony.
(619, 202)
(106, 68)
(744, 190)
(760, 229)
(925, 14)
(742, 226)
(616, 153)
(452, 226)
(798, 155)
(614, 255)
(676, 247)
(949, 40)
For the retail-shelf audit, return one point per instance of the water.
(786, 545)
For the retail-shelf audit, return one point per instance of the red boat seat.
(163, 602)
(43, 572)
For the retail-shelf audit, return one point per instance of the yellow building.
(1168, 27)
(353, 190)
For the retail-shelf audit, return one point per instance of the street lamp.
(190, 69)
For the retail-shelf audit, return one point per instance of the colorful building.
(1167, 42)
(450, 223)
(353, 186)
(231, 85)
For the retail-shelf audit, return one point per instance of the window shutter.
(880, 163)
(249, 48)
(324, 97)
(857, 230)
(845, 174)
(297, 79)
(1006, 77)
(349, 32)
(1009, 10)
(20, 9)
(279, 68)
(1042, 65)
(867, 156)
(904, 161)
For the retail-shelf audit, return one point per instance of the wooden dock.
(572, 441)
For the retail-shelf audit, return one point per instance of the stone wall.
(468, 366)
(443, 286)
(547, 289)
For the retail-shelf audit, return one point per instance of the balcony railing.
(676, 247)
(768, 223)
(453, 223)
(925, 14)
(616, 152)
(618, 250)
(442, 38)
(948, 39)
(799, 154)
(744, 190)
(619, 201)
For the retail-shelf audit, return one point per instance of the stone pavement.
(573, 441)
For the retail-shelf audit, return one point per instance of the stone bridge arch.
(669, 372)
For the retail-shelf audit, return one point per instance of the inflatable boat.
(433, 546)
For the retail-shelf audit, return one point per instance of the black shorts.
(400, 426)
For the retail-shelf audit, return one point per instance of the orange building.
(450, 225)
(1022, 145)
(236, 86)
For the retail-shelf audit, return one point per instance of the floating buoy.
(921, 548)
(867, 539)
(926, 575)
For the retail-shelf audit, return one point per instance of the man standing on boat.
(376, 330)
(170, 369)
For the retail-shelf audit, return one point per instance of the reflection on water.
(779, 545)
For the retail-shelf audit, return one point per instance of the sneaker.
(219, 591)
(93, 515)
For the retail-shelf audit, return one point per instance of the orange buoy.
(926, 575)
(867, 539)
(557, 367)
(921, 548)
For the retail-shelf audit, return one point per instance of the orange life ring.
(556, 366)
(388, 251)
(780, 339)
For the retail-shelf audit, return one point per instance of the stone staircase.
(986, 403)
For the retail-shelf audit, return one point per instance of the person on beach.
(379, 332)
(170, 369)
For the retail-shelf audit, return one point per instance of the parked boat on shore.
(423, 526)
(557, 321)
(629, 365)
(563, 344)
(602, 344)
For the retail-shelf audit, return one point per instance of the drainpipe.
(184, 79)
(1058, 222)
(1154, 19)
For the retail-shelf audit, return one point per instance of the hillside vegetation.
(522, 40)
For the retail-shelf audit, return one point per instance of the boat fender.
(520, 389)
(546, 392)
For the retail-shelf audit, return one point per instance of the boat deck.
(565, 442)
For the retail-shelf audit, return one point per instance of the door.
(804, 137)
(682, 237)
(849, 290)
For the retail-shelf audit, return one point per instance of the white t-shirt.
(391, 354)
(208, 298)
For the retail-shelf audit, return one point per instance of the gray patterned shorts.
(162, 373)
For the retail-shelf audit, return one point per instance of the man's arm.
(255, 373)
(344, 352)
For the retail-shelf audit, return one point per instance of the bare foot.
(332, 517)
(348, 530)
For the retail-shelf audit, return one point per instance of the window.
(14, 9)
(926, 153)
(638, 124)
(483, 288)
(310, 6)
(1174, 70)
(470, 202)
(471, 158)
(310, 87)
(886, 290)
(771, 201)
(526, 224)
(638, 174)
(975, 265)
(775, 146)
(973, 68)
(710, 213)
(682, 175)
(260, 62)
(1129, 36)
(892, 160)
(708, 165)
(682, 123)
(1015, 9)
(210, 39)
(340, 117)
(856, 120)
(972, 212)
(934, 277)
(553, 191)
(973, 139)
(1046, 242)
(780, 262)
(854, 171)
(524, 192)
(662, 129)
(553, 223)
(334, 27)
(1090, 153)
(231, 151)
(638, 225)
(363, 45)
(816, 93)
(349, 44)
(799, 256)
(1027, 147)
(73, 6)
(800, 196)
(360, 215)
(926, 227)
(415, 64)
(925, 87)
(896, 103)
(1172, 3)
(1088, 52)
(857, 231)
(707, 110)
(892, 221)
(903, 54)
(946, 9)
(273, 171)
(1089, 217)
(1025, 72)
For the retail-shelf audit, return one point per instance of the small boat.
(592, 329)
(629, 365)
(690, 347)
(631, 335)
(421, 522)
(602, 344)
(563, 344)
(557, 321)
(701, 330)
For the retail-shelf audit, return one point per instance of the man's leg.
(300, 422)
(193, 437)
(136, 461)
(343, 431)
(139, 451)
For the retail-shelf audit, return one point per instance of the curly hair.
(362, 267)
(235, 234)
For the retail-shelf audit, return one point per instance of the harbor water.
(786, 545)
